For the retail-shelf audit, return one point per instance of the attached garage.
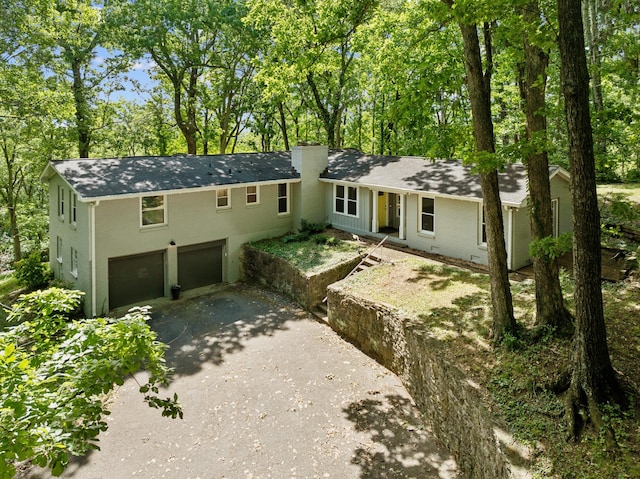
(200, 264)
(137, 278)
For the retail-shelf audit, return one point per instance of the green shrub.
(633, 176)
(32, 272)
(312, 228)
(326, 240)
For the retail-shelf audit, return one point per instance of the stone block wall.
(308, 290)
(451, 404)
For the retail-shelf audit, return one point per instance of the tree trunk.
(187, 130)
(479, 85)
(206, 119)
(283, 126)
(551, 313)
(82, 109)
(593, 379)
(328, 119)
(9, 194)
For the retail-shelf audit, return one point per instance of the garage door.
(200, 264)
(133, 279)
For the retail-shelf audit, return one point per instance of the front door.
(383, 213)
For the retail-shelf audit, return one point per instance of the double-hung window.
(346, 200)
(73, 210)
(153, 211)
(223, 200)
(427, 215)
(74, 262)
(59, 249)
(283, 198)
(61, 194)
(253, 197)
(482, 233)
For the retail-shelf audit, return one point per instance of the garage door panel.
(200, 265)
(137, 278)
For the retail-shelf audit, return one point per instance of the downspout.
(92, 255)
(401, 233)
(510, 239)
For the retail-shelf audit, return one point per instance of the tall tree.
(593, 381)
(311, 49)
(410, 57)
(479, 85)
(29, 104)
(551, 312)
(184, 41)
(228, 92)
(73, 32)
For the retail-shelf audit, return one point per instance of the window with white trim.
(74, 262)
(59, 249)
(61, 194)
(427, 215)
(223, 200)
(73, 210)
(253, 195)
(482, 225)
(283, 198)
(152, 210)
(346, 200)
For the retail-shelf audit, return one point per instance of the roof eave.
(372, 186)
(564, 174)
(91, 199)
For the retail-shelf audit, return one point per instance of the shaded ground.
(267, 393)
(615, 266)
(454, 304)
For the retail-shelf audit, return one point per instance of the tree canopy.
(55, 373)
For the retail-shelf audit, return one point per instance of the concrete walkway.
(267, 392)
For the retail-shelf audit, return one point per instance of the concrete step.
(320, 312)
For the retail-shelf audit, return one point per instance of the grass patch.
(311, 253)
(454, 306)
(630, 191)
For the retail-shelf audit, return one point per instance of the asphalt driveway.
(267, 392)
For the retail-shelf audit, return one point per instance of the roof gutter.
(90, 199)
(403, 191)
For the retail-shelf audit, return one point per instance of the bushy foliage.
(324, 239)
(551, 247)
(55, 373)
(312, 228)
(32, 272)
(633, 176)
(307, 230)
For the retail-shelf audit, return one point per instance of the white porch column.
(374, 212)
(403, 219)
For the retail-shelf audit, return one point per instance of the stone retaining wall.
(451, 404)
(308, 290)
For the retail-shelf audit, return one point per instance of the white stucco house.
(124, 230)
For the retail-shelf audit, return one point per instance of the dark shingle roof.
(440, 177)
(106, 177)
